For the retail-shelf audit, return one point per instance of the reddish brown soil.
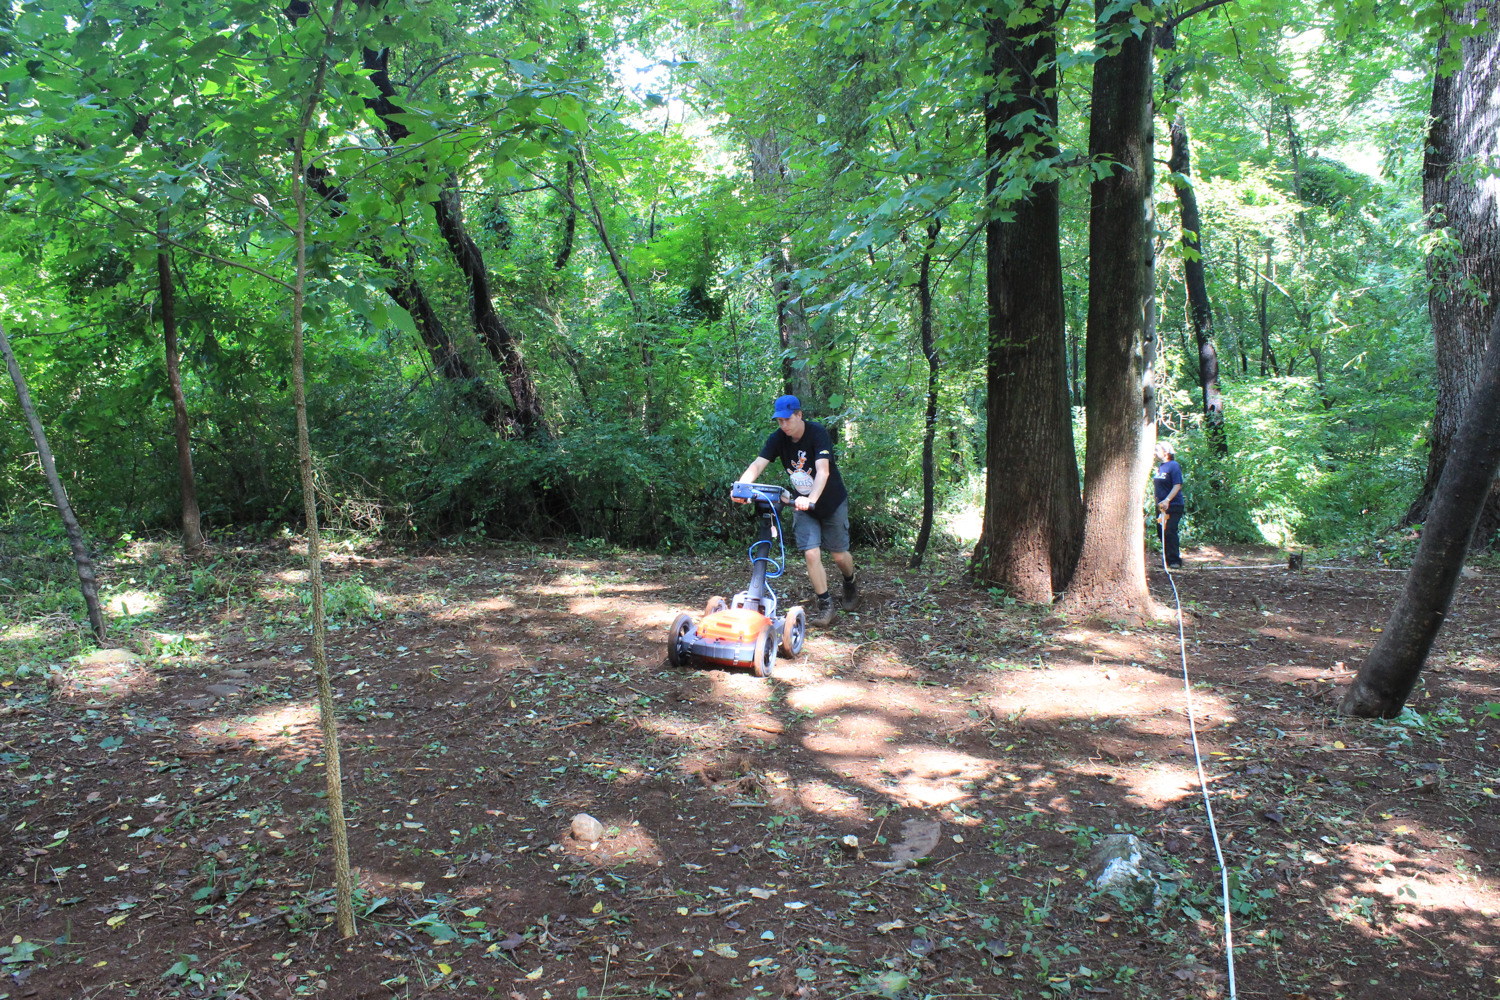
(506, 690)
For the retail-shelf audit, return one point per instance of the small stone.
(851, 842)
(222, 690)
(587, 829)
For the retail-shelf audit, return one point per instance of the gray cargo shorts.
(831, 532)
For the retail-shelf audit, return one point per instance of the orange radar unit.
(745, 631)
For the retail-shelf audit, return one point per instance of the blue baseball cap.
(786, 406)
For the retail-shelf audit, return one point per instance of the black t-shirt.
(800, 458)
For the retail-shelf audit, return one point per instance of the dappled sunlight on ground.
(493, 696)
(928, 778)
(104, 677)
(1160, 786)
(291, 727)
(822, 799)
(134, 602)
(625, 842)
(1070, 690)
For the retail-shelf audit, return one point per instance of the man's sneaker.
(851, 594)
(825, 613)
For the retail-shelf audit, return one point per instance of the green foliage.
(658, 332)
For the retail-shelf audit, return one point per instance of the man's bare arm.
(756, 468)
(820, 480)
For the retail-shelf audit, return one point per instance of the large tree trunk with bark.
(504, 346)
(1465, 129)
(1121, 342)
(192, 526)
(88, 581)
(1388, 676)
(1032, 510)
(929, 433)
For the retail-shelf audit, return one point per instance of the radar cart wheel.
(793, 632)
(681, 626)
(765, 652)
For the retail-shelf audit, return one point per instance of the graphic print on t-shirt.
(802, 481)
(800, 459)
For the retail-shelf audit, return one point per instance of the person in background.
(822, 518)
(1169, 499)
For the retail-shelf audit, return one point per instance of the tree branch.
(184, 247)
(1173, 22)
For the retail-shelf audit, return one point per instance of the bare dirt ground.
(164, 831)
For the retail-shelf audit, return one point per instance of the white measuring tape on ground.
(1352, 569)
(1187, 690)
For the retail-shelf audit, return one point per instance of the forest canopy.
(561, 257)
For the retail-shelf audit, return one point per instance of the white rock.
(1124, 861)
(587, 829)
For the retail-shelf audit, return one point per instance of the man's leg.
(816, 574)
(809, 534)
(836, 540)
(1170, 543)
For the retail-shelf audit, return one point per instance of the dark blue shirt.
(1168, 475)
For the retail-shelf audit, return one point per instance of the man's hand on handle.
(803, 503)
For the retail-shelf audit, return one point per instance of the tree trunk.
(643, 329)
(1199, 309)
(1388, 676)
(88, 582)
(1267, 354)
(1194, 270)
(570, 221)
(1317, 356)
(192, 528)
(955, 453)
(1120, 346)
(407, 293)
(929, 350)
(792, 331)
(768, 170)
(1465, 129)
(447, 359)
(332, 762)
(503, 346)
(1032, 510)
